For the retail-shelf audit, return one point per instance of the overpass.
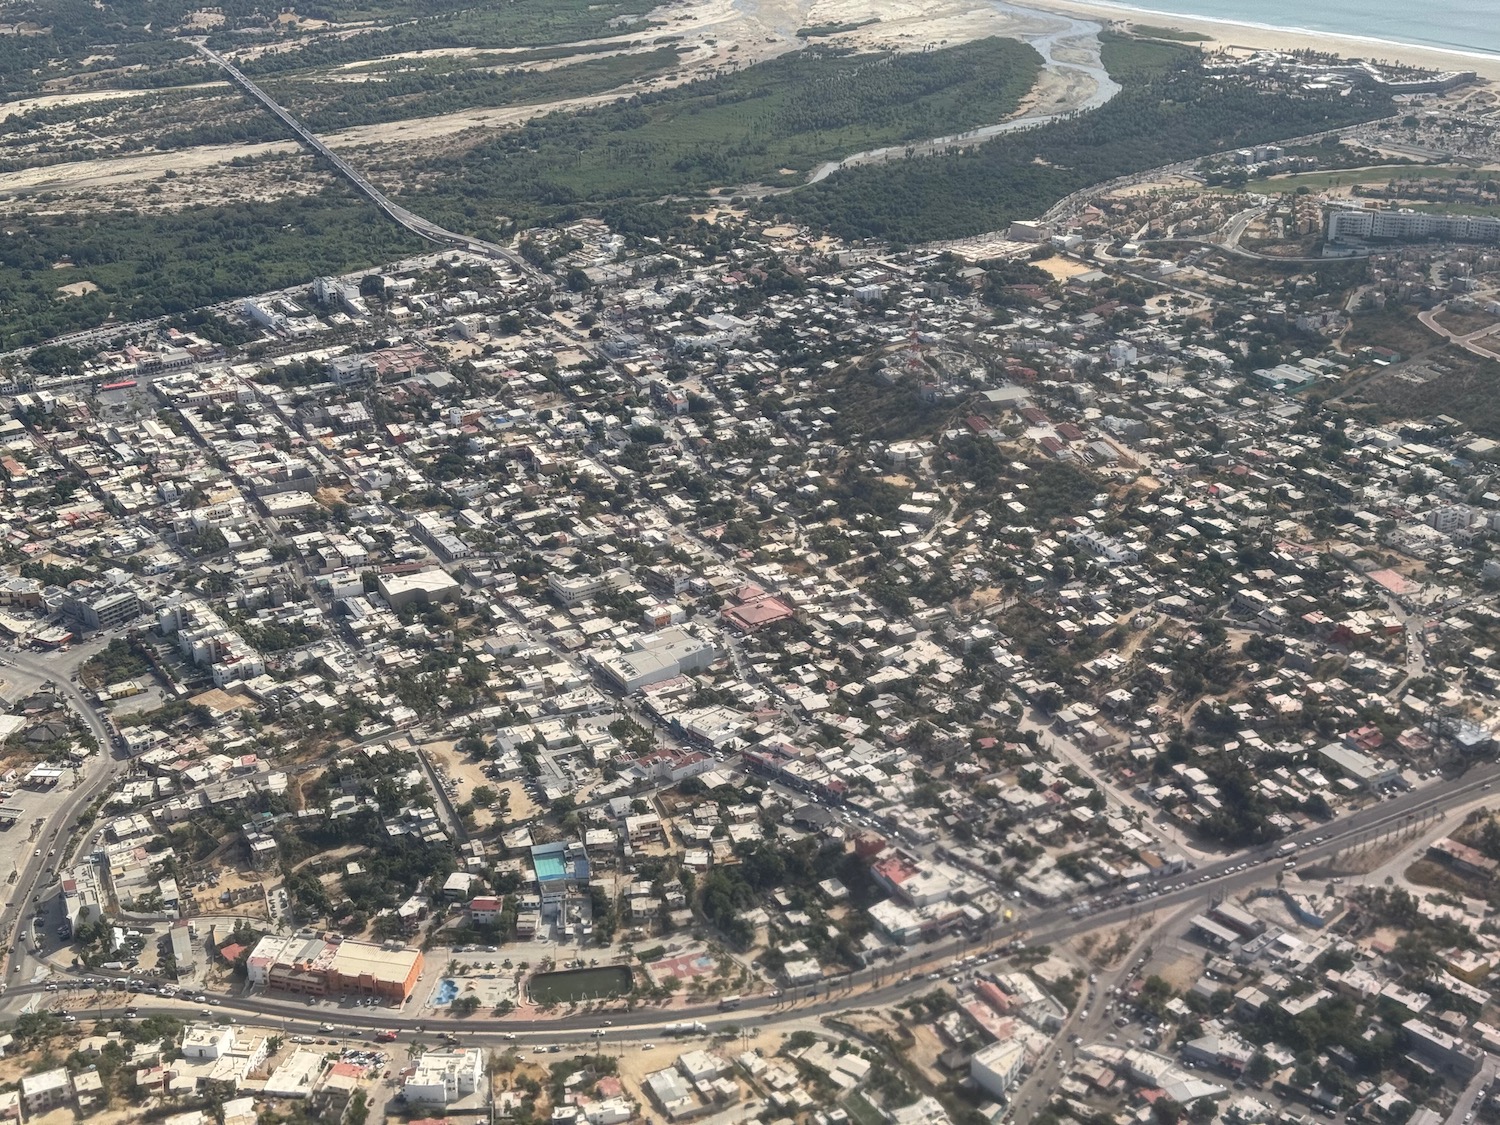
(419, 226)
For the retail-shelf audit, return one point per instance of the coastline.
(1222, 33)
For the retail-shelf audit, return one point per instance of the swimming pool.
(447, 990)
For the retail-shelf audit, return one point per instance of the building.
(401, 590)
(97, 607)
(484, 910)
(1354, 223)
(996, 1067)
(296, 1075)
(44, 1091)
(660, 656)
(207, 1040)
(222, 1054)
(750, 609)
(1367, 771)
(1441, 1050)
(313, 966)
(575, 589)
(1461, 858)
(443, 1077)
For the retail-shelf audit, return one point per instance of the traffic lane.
(1048, 925)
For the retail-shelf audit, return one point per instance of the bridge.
(419, 226)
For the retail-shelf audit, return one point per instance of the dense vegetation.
(1166, 112)
(64, 32)
(792, 112)
(521, 23)
(126, 34)
(424, 92)
(152, 265)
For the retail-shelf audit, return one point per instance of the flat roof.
(1214, 930)
(358, 958)
(294, 1077)
(434, 579)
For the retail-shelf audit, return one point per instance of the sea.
(1465, 27)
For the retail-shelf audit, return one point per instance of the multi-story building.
(442, 1077)
(47, 1090)
(314, 966)
(1346, 223)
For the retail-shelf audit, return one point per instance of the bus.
(728, 1003)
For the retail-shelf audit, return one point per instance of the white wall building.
(441, 1077)
(997, 1066)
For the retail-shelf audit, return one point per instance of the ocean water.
(1463, 26)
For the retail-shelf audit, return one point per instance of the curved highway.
(876, 986)
(36, 868)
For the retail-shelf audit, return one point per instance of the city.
(715, 668)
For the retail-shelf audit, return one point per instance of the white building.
(997, 1066)
(659, 656)
(207, 1041)
(47, 1090)
(1358, 223)
(441, 1077)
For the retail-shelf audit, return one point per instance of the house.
(47, 1090)
(484, 910)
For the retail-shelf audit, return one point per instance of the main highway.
(875, 986)
(413, 222)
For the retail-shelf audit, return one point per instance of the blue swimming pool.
(447, 990)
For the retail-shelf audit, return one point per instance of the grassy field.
(1129, 59)
(1344, 177)
(1168, 110)
(152, 265)
(1458, 207)
(771, 122)
(823, 30)
(1394, 327)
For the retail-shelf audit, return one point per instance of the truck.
(690, 1028)
(1288, 848)
(385, 1036)
(729, 1003)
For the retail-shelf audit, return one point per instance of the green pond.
(580, 984)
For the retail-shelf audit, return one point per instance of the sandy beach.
(1225, 34)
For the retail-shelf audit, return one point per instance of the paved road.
(1463, 1109)
(1469, 341)
(881, 986)
(99, 774)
